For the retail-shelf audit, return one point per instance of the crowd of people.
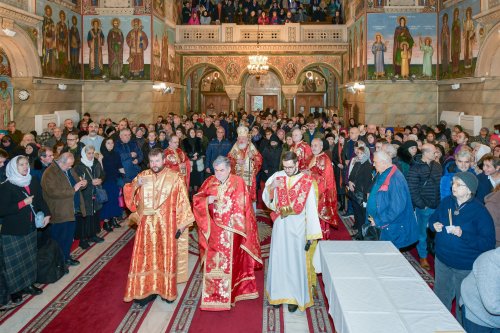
(433, 187)
(267, 12)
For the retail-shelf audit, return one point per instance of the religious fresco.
(4, 64)
(359, 8)
(311, 82)
(165, 63)
(401, 45)
(59, 39)
(159, 8)
(212, 82)
(378, 5)
(459, 39)
(357, 57)
(117, 46)
(6, 101)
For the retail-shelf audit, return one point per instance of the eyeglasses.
(458, 185)
(289, 168)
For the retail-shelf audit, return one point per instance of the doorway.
(263, 93)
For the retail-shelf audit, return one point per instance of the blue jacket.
(484, 187)
(478, 233)
(124, 150)
(215, 149)
(392, 210)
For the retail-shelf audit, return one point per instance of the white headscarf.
(84, 158)
(14, 176)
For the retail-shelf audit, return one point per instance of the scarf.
(88, 163)
(14, 176)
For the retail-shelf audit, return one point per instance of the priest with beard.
(321, 169)
(228, 239)
(160, 206)
(246, 161)
(291, 196)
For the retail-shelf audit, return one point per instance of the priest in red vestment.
(321, 169)
(177, 160)
(228, 239)
(301, 149)
(159, 201)
(246, 161)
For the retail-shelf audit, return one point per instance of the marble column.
(233, 92)
(289, 91)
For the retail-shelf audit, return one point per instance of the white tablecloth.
(372, 288)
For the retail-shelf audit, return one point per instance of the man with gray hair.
(389, 204)
(228, 239)
(462, 163)
(130, 154)
(62, 192)
(93, 139)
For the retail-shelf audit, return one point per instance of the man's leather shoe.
(292, 307)
(143, 302)
(16, 297)
(72, 262)
(166, 300)
(425, 264)
(84, 244)
(114, 223)
(32, 290)
(107, 226)
(276, 306)
(97, 239)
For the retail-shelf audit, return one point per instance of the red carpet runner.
(93, 302)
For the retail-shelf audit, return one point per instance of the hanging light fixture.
(257, 64)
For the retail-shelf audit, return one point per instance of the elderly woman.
(469, 232)
(88, 227)
(21, 198)
(389, 203)
(360, 180)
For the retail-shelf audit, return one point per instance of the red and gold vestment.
(252, 162)
(177, 160)
(304, 154)
(228, 241)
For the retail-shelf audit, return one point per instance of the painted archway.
(487, 60)
(22, 54)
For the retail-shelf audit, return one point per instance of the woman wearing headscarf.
(90, 169)
(359, 176)
(192, 146)
(464, 229)
(21, 198)
(406, 154)
(113, 169)
(9, 145)
(31, 151)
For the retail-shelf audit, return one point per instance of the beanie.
(469, 179)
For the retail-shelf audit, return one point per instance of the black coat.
(91, 204)
(361, 176)
(271, 160)
(424, 183)
(20, 221)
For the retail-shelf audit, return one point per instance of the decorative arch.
(319, 64)
(489, 52)
(22, 54)
(192, 69)
(243, 77)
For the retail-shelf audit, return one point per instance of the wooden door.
(214, 103)
(271, 101)
(308, 101)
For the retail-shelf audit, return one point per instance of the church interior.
(387, 62)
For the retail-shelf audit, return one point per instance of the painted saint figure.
(405, 60)
(5, 104)
(115, 49)
(165, 75)
(137, 41)
(378, 49)
(156, 59)
(445, 45)
(469, 38)
(401, 35)
(49, 42)
(456, 41)
(74, 46)
(428, 51)
(95, 40)
(62, 43)
(4, 64)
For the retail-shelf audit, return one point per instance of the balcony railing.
(288, 33)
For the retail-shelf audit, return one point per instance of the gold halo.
(95, 20)
(428, 38)
(115, 19)
(403, 43)
(403, 17)
(139, 22)
(378, 34)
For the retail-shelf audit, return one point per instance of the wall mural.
(357, 58)
(459, 39)
(312, 82)
(117, 46)
(6, 101)
(165, 62)
(60, 40)
(401, 45)
(139, 7)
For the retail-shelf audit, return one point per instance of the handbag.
(370, 232)
(39, 217)
(101, 195)
(200, 166)
(357, 196)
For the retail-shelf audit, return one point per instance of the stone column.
(290, 91)
(233, 92)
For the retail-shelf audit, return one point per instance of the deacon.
(301, 149)
(291, 196)
(177, 160)
(321, 169)
(246, 161)
(228, 239)
(159, 201)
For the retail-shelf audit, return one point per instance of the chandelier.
(257, 64)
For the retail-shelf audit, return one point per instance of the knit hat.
(408, 144)
(469, 179)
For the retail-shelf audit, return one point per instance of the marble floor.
(158, 316)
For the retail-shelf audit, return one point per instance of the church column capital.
(290, 90)
(232, 91)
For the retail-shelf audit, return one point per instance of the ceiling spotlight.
(62, 86)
